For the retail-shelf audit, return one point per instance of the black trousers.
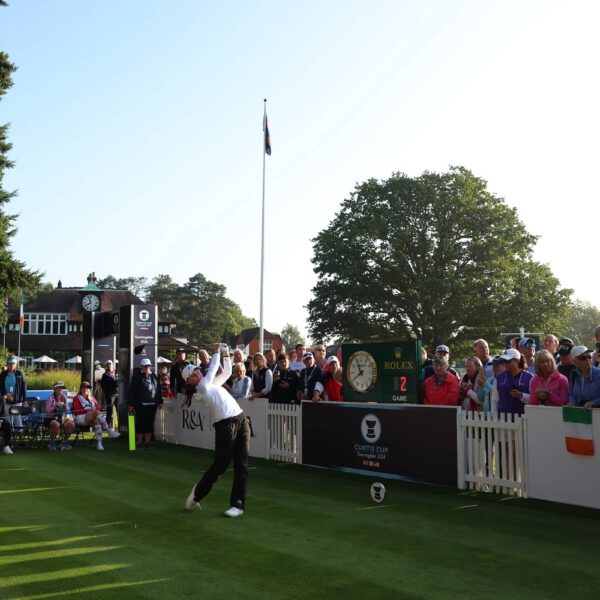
(232, 441)
(144, 418)
(6, 429)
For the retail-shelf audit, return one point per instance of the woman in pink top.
(548, 386)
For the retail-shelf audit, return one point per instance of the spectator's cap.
(511, 354)
(145, 362)
(319, 347)
(308, 355)
(580, 351)
(180, 351)
(108, 362)
(440, 360)
(59, 385)
(527, 343)
(11, 360)
(85, 384)
(498, 360)
(442, 348)
(332, 359)
(188, 370)
(565, 346)
(96, 363)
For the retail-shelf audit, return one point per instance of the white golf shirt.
(212, 393)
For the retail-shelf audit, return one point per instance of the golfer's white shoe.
(113, 434)
(100, 447)
(234, 512)
(7, 450)
(190, 502)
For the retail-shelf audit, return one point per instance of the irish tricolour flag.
(578, 430)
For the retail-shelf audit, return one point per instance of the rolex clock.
(361, 372)
(90, 302)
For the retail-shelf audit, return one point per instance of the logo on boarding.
(144, 315)
(378, 492)
(370, 428)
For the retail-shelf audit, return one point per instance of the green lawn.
(112, 525)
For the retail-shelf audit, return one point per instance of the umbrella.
(76, 360)
(44, 359)
(162, 359)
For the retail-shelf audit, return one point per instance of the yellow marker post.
(131, 429)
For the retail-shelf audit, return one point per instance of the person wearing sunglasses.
(585, 379)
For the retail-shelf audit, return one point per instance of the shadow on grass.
(60, 566)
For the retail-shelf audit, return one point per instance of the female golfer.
(232, 433)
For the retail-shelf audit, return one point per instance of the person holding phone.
(232, 432)
(548, 386)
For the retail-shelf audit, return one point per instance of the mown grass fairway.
(111, 525)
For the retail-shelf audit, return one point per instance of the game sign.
(382, 372)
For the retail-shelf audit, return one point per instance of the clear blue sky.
(137, 129)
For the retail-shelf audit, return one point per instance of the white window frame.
(49, 323)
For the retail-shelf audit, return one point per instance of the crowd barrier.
(523, 456)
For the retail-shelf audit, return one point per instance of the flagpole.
(262, 241)
(20, 327)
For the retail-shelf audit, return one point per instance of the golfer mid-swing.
(232, 433)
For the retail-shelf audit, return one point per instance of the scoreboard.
(382, 372)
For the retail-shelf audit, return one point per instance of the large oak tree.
(435, 257)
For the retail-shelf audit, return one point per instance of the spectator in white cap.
(513, 384)
(332, 381)
(585, 380)
(310, 386)
(145, 398)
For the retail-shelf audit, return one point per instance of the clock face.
(361, 372)
(90, 302)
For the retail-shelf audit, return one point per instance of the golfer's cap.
(11, 360)
(85, 384)
(580, 351)
(145, 362)
(180, 350)
(511, 354)
(59, 385)
(188, 370)
(96, 363)
(498, 360)
(332, 359)
(442, 348)
(108, 362)
(307, 355)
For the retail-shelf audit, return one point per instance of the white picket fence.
(164, 422)
(491, 452)
(284, 431)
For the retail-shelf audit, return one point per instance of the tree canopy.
(584, 319)
(290, 335)
(435, 257)
(14, 274)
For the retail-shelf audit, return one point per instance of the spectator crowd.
(561, 373)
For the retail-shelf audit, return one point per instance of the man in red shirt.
(441, 387)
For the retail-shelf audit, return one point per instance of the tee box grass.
(87, 524)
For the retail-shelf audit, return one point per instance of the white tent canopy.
(44, 359)
(162, 359)
(76, 360)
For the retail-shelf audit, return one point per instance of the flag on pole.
(21, 315)
(267, 136)
(578, 430)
